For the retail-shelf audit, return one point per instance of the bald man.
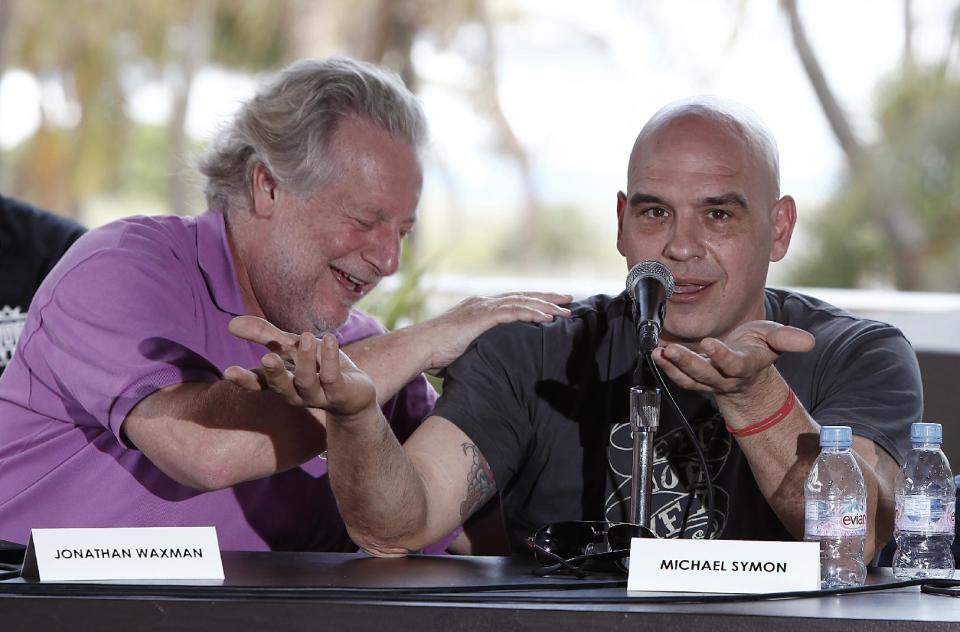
(537, 412)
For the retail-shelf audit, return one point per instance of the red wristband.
(770, 421)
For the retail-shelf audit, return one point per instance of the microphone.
(650, 285)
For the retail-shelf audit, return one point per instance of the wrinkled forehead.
(710, 137)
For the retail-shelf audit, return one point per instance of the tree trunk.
(531, 241)
(908, 59)
(902, 230)
(191, 54)
(828, 102)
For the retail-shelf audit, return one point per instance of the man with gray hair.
(538, 411)
(114, 411)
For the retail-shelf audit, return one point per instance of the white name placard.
(128, 553)
(723, 566)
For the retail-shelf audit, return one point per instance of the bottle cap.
(926, 433)
(836, 437)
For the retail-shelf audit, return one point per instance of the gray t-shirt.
(547, 405)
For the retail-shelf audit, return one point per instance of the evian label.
(841, 518)
(923, 514)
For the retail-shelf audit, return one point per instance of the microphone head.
(650, 268)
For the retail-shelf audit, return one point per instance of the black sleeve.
(489, 393)
(31, 243)
(871, 382)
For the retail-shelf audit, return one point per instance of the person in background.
(115, 412)
(537, 412)
(32, 240)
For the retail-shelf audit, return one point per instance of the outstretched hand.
(740, 362)
(304, 372)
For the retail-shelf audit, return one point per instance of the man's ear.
(263, 191)
(782, 220)
(621, 208)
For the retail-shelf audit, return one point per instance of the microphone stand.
(644, 421)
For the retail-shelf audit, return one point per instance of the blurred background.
(533, 107)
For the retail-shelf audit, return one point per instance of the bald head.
(703, 198)
(705, 119)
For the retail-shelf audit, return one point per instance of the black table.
(297, 591)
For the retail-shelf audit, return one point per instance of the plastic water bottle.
(835, 503)
(926, 498)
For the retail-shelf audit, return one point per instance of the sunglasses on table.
(579, 546)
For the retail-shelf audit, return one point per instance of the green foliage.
(88, 48)
(896, 218)
(405, 305)
(144, 173)
(252, 34)
(408, 302)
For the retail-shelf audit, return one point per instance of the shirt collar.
(216, 263)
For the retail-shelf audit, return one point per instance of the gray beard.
(300, 322)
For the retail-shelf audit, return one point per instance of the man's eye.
(719, 214)
(655, 212)
(362, 223)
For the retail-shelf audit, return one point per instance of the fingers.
(549, 297)
(244, 378)
(725, 360)
(776, 337)
(718, 368)
(305, 364)
(546, 302)
(262, 332)
(448, 336)
(527, 306)
(278, 378)
(336, 385)
(523, 307)
(737, 364)
(785, 338)
(348, 390)
(687, 369)
(329, 361)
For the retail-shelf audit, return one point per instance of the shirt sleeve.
(118, 325)
(489, 393)
(871, 382)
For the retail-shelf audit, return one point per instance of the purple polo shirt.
(132, 307)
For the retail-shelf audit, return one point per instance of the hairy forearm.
(879, 472)
(212, 436)
(781, 478)
(780, 459)
(381, 496)
(782, 456)
(391, 360)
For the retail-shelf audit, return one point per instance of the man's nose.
(685, 241)
(383, 251)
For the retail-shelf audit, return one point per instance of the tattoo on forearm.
(480, 484)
